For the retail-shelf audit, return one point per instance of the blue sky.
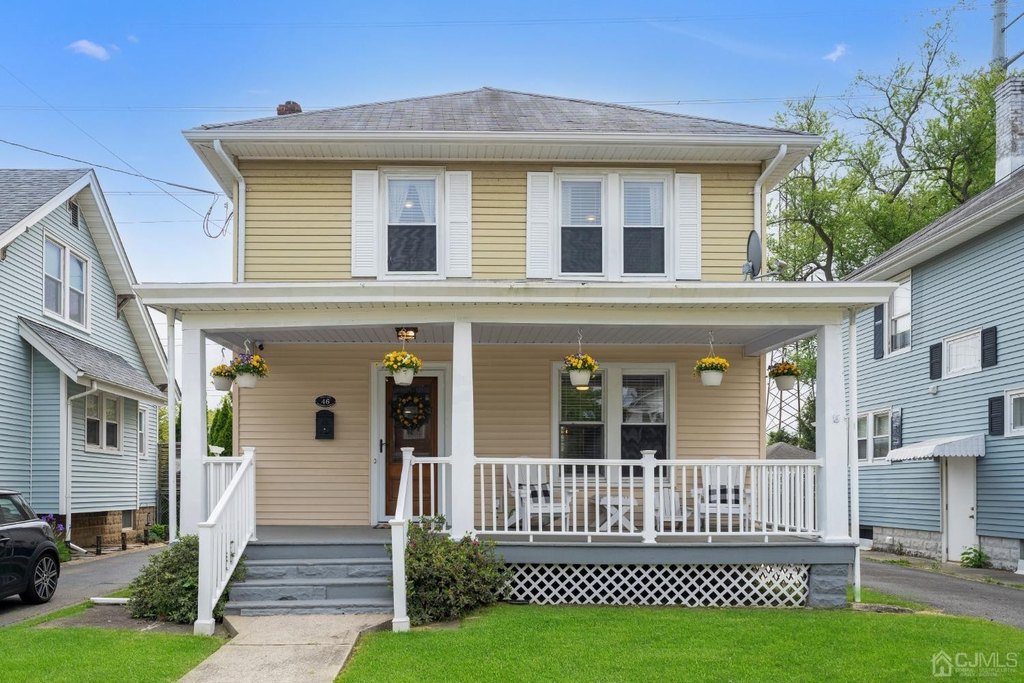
(133, 75)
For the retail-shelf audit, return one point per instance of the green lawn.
(531, 643)
(81, 654)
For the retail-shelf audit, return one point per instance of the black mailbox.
(325, 424)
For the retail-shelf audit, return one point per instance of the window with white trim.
(874, 436)
(899, 317)
(581, 231)
(411, 202)
(141, 440)
(103, 422)
(961, 354)
(65, 282)
(1015, 413)
(644, 226)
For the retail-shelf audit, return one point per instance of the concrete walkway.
(80, 580)
(285, 649)
(949, 594)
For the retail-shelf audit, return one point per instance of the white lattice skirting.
(690, 585)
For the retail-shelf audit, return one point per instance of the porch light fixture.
(406, 334)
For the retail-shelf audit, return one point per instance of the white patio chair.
(531, 497)
(669, 510)
(718, 500)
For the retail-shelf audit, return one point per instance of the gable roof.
(989, 209)
(93, 205)
(84, 362)
(495, 110)
(24, 191)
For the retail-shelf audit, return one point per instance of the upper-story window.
(962, 353)
(412, 240)
(65, 282)
(644, 228)
(582, 233)
(899, 317)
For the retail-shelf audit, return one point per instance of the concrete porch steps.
(257, 608)
(311, 588)
(328, 568)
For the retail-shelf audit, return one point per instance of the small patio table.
(618, 509)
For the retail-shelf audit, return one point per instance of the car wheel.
(42, 582)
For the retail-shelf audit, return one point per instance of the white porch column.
(462, 428)
(193, 428)
(172, 432)
(831, 436)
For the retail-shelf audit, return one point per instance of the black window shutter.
(879, 331)
(935, 361)
(995, 415)
(989, 347)
(896, 428)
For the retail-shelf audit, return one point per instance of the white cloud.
(838, 52)
(132, 38)
(89, 49)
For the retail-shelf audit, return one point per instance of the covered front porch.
(646, 458)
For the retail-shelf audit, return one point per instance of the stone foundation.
(826, 585)
(86, 526)
(914, 542)
(1004, 553)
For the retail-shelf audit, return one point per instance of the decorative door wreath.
(410, 410)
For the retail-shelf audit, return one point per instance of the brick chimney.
(289, 107)
(1009, 127)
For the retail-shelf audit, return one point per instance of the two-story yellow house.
(507, 230)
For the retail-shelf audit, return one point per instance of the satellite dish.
(753, 265)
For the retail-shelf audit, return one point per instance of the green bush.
(158, 531)
(448, 578)
(167, 588)
(974, 558)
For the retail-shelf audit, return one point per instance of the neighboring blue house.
(79, 360)
(941, 374)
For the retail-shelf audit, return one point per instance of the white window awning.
(972, 446)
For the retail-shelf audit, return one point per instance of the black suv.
(29, 564)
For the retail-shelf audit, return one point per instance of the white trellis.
(689, 585)
(782, 408)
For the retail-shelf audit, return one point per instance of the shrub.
(448, 578)
(974, 557)
(167, 588)
(63, 552)
(158, 531)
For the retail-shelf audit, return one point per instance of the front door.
(960, 499)
(411, 421)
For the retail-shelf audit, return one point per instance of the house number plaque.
(324, 401)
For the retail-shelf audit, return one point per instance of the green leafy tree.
(220, 429)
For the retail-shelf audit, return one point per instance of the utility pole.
(999, 28)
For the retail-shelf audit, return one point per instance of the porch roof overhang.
(971, 446)
(756, 315)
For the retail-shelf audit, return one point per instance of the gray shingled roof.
(494, 110)
(786, 451)
(23, 190)
(94, 362)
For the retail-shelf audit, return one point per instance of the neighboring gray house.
(79, 360)
(941, 374)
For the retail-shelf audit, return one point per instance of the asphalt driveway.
(948, 594)
(81, 580)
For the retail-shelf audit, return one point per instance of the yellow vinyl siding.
(298, 218)
(301, 480)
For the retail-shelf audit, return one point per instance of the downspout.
(239, 209)
(67, 444)
(852, 461)
(759, 185)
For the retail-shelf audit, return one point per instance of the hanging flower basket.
(403, 366)
(785, 374)
(222, 376)
(248, 368)
(711, 370)
(581, 367)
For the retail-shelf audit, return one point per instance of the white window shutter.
(540, 227)
(459, 220)
(687, 226)
(365, 232)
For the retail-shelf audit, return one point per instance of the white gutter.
(759, 184)
(239, 208)
(67, 453)
(852, 461)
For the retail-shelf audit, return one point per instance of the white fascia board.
(28, 221)
(126, 392)
(49, 353)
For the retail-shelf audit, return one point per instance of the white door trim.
(441, 370)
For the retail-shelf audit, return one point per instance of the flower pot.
(221, 383)
(785, 382)
(579, 378)
(246, 381)
(711, 378)
(403, 377)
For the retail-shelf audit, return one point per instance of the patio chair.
(716, 500)
(532, 498)
(669, 510)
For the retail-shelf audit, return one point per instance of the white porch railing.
(219, 473)
(225, 534)
(645, 498)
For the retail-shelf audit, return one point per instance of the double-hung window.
(582, 228)
(644, 228)
(142, 421)
(962, 353)
(874, 436)
(103, 422)
(65, 282)
(412, 209)
(1015, 414)
(899, 317)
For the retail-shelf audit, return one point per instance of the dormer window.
(65, 283)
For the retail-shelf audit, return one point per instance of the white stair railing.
(399, 539)
(223, 538)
